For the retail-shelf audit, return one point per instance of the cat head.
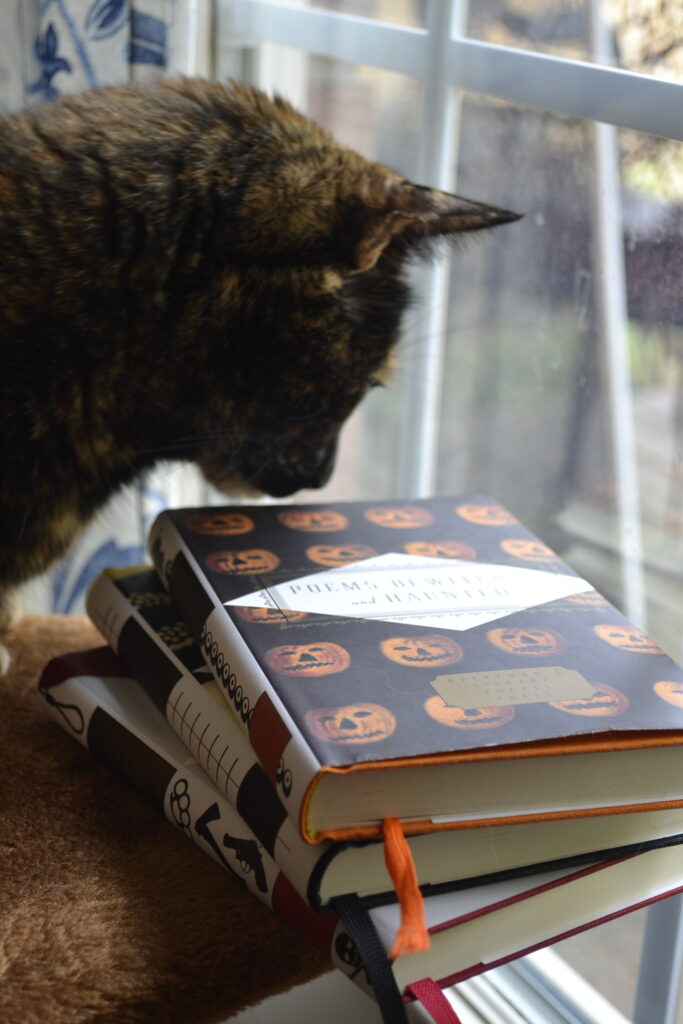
(228, 278)
(315, 241)
(195, 271)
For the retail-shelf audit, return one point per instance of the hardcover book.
(132, 610)
(90, 696)
(430, 662)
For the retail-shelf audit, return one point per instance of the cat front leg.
(10, 611)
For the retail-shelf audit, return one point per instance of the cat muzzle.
(280, 482)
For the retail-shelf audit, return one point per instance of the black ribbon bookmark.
(370, 956)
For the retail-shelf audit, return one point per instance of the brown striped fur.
(194, 271)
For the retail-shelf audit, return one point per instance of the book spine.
(207, 728)
(175, 787)
(277, 741)
(82, 704)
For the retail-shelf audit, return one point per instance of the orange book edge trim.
(413, 828)
(590, 743)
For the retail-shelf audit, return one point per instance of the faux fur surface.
(107, 914)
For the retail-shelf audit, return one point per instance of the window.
(544, 362)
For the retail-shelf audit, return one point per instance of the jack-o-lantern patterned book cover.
(403, 630)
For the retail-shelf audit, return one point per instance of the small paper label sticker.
(440, 593)
(503, 687)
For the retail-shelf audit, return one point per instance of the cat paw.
(10, 610)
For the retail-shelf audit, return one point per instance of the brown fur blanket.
(107, 914)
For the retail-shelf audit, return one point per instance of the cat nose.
(280, 482)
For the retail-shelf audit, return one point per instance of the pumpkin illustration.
(273, 615)
(219, 523)
(316, 659)
(607, 701)
(527, 550)
(532, 641)
(671, 691)
(340, 554)
(421, 651)
(353, 723)
(486, 515)
(324, 520)
(627, 637)
(441, 549)
(399, 517)
(467, 718)
(243, 563)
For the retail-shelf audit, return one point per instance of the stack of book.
(410, 729)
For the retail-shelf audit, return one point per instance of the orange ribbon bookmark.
(412, 935)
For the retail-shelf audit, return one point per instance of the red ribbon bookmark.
(428, 993)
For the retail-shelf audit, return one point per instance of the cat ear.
(413, 213)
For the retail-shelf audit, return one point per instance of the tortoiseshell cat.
(189, 271)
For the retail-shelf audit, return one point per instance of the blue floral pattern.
(147, 40)
(105, 18)
(49, 48)
(45, 48)
(81, 44)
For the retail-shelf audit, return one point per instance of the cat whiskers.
(191, 442)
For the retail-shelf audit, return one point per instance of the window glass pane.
(526, 409)
(608, 958)
(513, 349)
(399, 12)
(371, 110)
(646, 35)
(528, 414)
(558, 27)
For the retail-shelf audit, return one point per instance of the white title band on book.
(418, 591)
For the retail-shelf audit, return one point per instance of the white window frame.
(446, 61)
